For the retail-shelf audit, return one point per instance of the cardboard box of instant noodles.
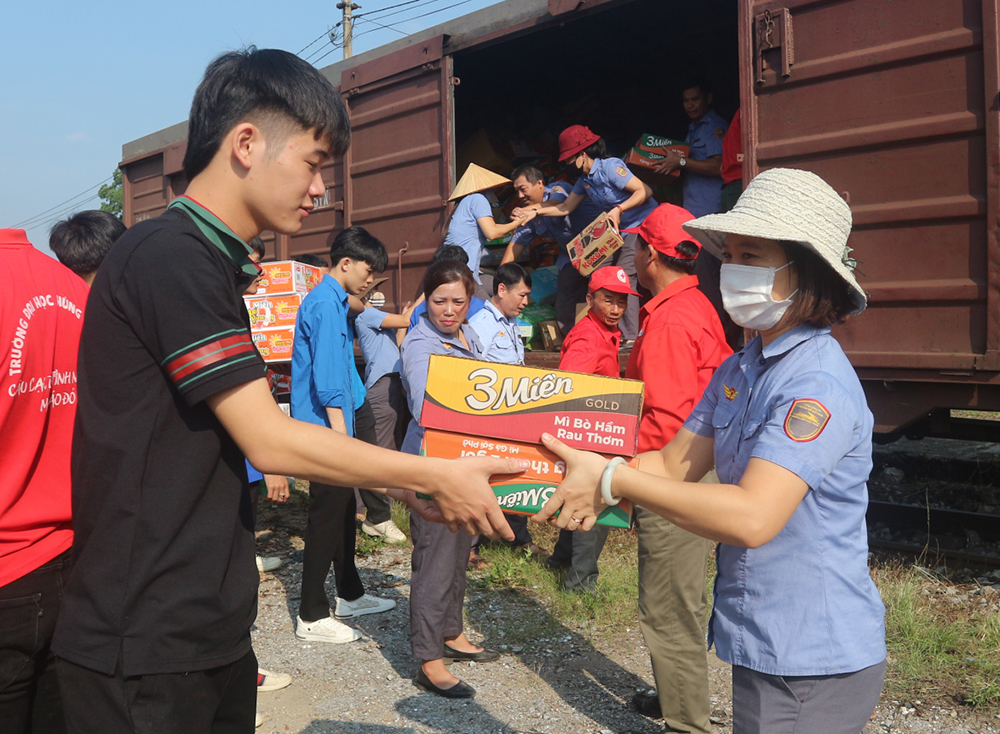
(518, 403)
(525, 494)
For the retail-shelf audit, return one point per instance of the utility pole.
(348, 8)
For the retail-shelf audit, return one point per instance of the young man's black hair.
(451, 252)
(274, 89)
(357, 243)
(510, 274)
(317, 261)
(531, 173)
(258, 247)
(82, 241)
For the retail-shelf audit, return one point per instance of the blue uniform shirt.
(500, 336)
(464, 231)
(703, 194)
(804, 603)
(378, 346)
(323, 371)
(605, 186)
(420, 343)
(560, 229)
(475, 306)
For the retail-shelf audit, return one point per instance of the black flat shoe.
(647, 703)
(459, 690)
(483, 656)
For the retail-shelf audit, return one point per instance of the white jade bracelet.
(609, 471)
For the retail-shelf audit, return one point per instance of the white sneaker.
(366, 604)
(268, 563)
(259, 721)
(387, 530)
(268, 681)
(327, 629)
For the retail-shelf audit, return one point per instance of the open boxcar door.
(399, 167)
(894, 103)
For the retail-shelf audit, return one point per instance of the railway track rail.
(969, 538)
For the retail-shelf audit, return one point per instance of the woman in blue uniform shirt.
(787, 426)
(440, 557)
(610, 185)
(472, 224)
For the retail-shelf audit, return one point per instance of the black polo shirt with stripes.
(164, 579)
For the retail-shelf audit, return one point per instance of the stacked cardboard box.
(476, 408)
(650, 150)
(275, 305)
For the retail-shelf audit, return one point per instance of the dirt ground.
(551, 679)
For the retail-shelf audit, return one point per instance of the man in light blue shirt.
(500, 336)
(496, 325)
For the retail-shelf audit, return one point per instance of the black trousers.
(220, 700)
(330, 541)
(378, 504)
(29, 689)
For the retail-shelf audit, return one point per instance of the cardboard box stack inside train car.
(525, 494)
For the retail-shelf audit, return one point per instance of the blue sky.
(79, 79)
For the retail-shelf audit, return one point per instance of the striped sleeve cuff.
(188, 366)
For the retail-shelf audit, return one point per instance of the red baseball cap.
(662, 229)
(574, 139)
(611, 279)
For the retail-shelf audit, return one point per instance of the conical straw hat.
(476, 178)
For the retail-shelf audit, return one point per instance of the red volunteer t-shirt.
(41, 316)
(732, 151)
(679, 347)
(592, 348)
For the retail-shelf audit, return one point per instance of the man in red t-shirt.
(680, 345)
(732, 164)
(41, 316)
(592, 347)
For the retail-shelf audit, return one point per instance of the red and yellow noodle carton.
(287, 276)
(274, 345)
(519, 403)
(525, 494)
(273, 311)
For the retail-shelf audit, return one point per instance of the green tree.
(111, 195)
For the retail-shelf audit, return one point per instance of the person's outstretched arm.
(460, 488)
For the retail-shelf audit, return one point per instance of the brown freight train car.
(895, 102)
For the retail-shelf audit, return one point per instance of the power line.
(321, 36)
(417, 17)
(31, 220)
(423, 3)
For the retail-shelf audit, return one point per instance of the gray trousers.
(388, 401)
(672, 615)
(378, 504)
(577, 551)
(826, 704)
(437, 586)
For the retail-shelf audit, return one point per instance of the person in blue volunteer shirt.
(609, 184)
(440, 556)
(786, 424)
(472, 224)
(531, 191)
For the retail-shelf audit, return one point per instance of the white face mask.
(747, 298)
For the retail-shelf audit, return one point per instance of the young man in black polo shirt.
(154, 631)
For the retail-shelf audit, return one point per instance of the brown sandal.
(477, 562)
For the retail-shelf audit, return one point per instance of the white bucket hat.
(793, 206)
